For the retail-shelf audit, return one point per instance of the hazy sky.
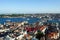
(29, 6)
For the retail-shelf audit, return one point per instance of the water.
(53, 21)
(31, 20)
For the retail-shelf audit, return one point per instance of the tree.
(39, 34)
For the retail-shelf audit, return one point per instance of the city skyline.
(29, 6)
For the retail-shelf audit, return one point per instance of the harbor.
(30, 28)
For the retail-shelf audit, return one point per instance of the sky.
(29, 6)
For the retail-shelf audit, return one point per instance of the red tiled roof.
(51, 34)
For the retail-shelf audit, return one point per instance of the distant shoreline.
(26, 15)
